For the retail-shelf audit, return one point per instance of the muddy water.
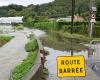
(51, 63)
(58, 42)
(58, 46)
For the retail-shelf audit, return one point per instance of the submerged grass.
(62, 41)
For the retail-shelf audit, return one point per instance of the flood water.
(51, 63)
(58, 42)
(59, 46)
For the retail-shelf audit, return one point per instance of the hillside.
(62, 8)
(57, 8)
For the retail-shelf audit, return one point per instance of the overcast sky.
(23, 2)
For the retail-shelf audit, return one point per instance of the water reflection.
(58, 42)
(51, 63)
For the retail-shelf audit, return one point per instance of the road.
(51, 65)
(11, 54)
(96, 57)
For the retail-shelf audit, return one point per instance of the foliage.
(31, 36)
(17, 26)
(12, 13)
(30, 46)
(16, 7)
(55, 9)
(98, 12)
(29, 16)
(76, 36)
(20, 27)
(28, 22)
(4, 40)
(21, 69)
(47, 25)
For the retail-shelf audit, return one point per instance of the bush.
(31, 46)
(31, 36)
(96, 31)
(47, 25)
(21, 69)
(20, 27)
(4, 40)
(77, 37)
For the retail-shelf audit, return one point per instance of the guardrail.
(36, 65)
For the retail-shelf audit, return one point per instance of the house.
(68, 19)
(5, 22)
(9, 20)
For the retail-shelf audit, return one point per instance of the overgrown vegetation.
(4, 40)
(40, 15)
(22, 69)
(17, 26)
(31, 46)
(55, 9)
(47, 25)
(58, 39)
(79, 27)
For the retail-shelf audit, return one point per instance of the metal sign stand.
(93, 10)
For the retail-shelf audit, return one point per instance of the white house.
(5, 22)
(68, 19)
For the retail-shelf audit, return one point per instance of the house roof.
(11, 20)
(64, 19)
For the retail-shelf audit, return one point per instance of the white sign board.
(93, 20)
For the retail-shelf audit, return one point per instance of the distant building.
(9, 20)
(5, 22)
(68, 19)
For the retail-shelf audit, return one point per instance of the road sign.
(93, 20)
(70, 66)
(93, 16)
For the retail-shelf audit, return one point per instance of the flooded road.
(51, 63)
(55, 49)
(58, 46)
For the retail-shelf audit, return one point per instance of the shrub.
(4, 40)
(47, 25)
(20, 27)
(21, 69)
(78, 37)
(31, 46)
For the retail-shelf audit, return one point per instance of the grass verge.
(22, 69)
(4, 40)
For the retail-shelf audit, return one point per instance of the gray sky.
(23, 2)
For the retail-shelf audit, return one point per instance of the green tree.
(29, 22)
(12, 13)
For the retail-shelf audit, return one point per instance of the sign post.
(70, 66)
(92, 19)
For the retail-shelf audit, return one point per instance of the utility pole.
(72, 24)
